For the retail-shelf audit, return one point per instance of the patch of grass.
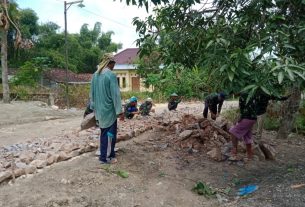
(271, 123)
(232, 115)
(142, 96)
(203, 189)
(162, 174)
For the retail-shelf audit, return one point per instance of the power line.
(111, 20)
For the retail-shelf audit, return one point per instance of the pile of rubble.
(210, 137)
(26, 158)
(29, 157)
(184, 130)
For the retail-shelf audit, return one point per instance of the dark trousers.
(206, 110)
(107, 142)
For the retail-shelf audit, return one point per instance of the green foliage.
(142, 96)
(84, 49)
(27, 75)
(271, 123)
(30, 72)
(273, 117)
(28, 23)
(122, 174)
(240, 44)
(78, 95)
(203, 189)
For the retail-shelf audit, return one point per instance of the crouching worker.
(243, 129)
(213, 102)
(131, 108)
(173, 102)
(146, 107)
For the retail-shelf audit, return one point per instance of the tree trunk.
(290, 109)
(6, 90)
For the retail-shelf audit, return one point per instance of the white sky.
(114, 15)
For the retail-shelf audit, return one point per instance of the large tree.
(242, 45)
(4, 26)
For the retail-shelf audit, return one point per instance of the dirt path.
(22, 121)
(159, 173)
(154, 180)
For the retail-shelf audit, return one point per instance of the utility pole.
(66, 7)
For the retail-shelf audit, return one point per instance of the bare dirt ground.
(159, 174)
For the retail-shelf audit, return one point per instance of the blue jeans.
(107, 142)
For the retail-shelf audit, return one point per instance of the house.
(56, 75)
(125, 69)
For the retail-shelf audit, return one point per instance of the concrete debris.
(208, 136)
(268, 151)
(185, 134)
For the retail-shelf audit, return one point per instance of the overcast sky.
(115, 16)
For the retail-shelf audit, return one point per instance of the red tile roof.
(59, 75)
(126, 56)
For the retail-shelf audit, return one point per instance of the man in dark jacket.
(243, 129)
(213, 102)
(173, 102)
(146, 107)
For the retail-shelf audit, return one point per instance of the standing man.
(262, 100)
(243, 129)
(106, 102)
(211, 103)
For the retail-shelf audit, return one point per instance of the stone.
(137, 132)
(88, 122)
(226, 149)
(268, 151)
(6, 164)
(48, 118)
(159, 128)
(123, 137)
(52, 159)
(19, 172)
(258, 152)
(20, 165)
(5, 175)
(41, 156)
(55, 145)
(165, 122)
(30, 169)
(185, 134)
(74, 153)
(69, 147)
(215, 154)
(222, 139)
(39, 163)
(63, 156)
(93, 145)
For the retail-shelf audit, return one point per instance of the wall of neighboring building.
(129, 80)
